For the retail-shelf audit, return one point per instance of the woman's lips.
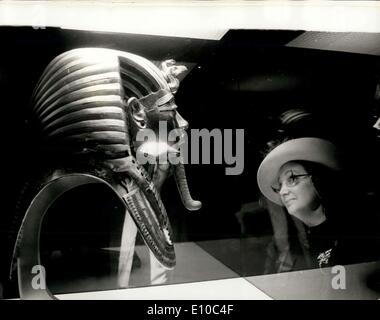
(288, 201)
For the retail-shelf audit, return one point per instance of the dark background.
(244, 81)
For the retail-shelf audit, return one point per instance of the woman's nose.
(181, 122)
(283, 190)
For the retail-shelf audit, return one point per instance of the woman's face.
(297, 191)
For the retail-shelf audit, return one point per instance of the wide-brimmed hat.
(303, 149)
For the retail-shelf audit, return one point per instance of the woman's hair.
(329, 185)
(324, 179)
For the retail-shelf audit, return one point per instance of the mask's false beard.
(148, 211)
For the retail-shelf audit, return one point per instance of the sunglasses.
(290, 182)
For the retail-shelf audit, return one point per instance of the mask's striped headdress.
(79, 103)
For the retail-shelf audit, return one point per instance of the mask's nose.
(181, 122)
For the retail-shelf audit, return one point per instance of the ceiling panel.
(354, 42)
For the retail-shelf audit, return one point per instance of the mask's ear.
(137, 112)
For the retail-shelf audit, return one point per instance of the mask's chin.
(157, 155)
(155, 149)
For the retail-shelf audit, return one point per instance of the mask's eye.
(168, 106)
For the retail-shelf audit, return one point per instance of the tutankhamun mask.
(88, 107)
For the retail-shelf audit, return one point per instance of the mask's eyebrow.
(158, 100)
(168, 106)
